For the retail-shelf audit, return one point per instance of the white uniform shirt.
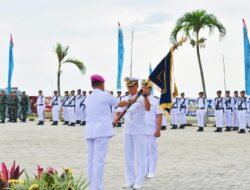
(82, 103)
(217, 103)
(65, 101)
(40, 102)
(242, 104)
(201, 103)
(176, 104)
(151, 116)
(55, 101)
(184, 105)
(235, 102)
(228, 103)
(78, 101)
(135, 117)
(99, 122)
(72, 101)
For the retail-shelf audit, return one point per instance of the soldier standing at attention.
(235, 111)
(242, 111)
(228, 110)
(83, 108)
(98, 130)
(201, 109)
(55, 105)
(175, 112)
(78, 109)
(219, 111)
(183, 111)
(13, 107)
(9, 99)
(71, 108)
(65, 105)
(135, 135)
(3, 102)
(40, 104)
(24, 102)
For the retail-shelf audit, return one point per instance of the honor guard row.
(11, 105)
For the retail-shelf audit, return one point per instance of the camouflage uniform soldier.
(3, 101)
(9, 99)
(24, 102)
(13, 107)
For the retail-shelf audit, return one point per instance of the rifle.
(129, 105)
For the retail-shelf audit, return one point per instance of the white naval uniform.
(40, 103)
(71, 109)
(98, 131)
(164, 119)
(235, 116)
(248, 111)
(55, 104)
(65, 104)
(218, 106)
(135, 141)
(242, 111)
(77, 108)
(183, 110)
(151, 127)
(83, 111)
(201, 109)
(175, 111)
(228, 111)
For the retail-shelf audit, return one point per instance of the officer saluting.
(56, 105)
(98, 130)
(40, 104)
(242, 110)
(135, 135)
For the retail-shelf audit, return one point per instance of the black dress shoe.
(227, 129)
(39, 123)
(200, 129)
(174, 127)
(182, 126)
(242, 131)
(78, 121)
(218, 130)
(65, 123)
(163, 128)
(72, 124)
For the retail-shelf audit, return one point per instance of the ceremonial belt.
(202, 108)
(219, 108)
(229, 108)
(242, 109)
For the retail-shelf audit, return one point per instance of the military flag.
(120, 57)
(247, 58)
(11, 63)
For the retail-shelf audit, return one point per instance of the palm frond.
(80, 65)
(61, 52)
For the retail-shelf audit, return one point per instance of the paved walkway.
(187, 159)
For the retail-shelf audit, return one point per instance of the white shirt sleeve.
(112, 101)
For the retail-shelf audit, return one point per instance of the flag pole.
(131, 60)
(224, 72)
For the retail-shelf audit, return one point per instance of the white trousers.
(219, 117)
(78, 113)
(55, 113)
(183, 117)
(71, 111)
(235, 118)
(228, 118)
(83, 114)
(242, 118)
(40, 113)
(135, 158)
(200, 114)
(65, 114)
(174, 116)
(151, 154)
(248, 119)
(96, 152)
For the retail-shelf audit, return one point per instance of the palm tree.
(190, 25)
(62, 53)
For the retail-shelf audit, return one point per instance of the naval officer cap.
(97, 78)
(131, 81)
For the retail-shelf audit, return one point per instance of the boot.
(227, 129)
(181, 126)
(218, 130)
(39, 123)
(78, 121)
(42, 123)
(54, 123)
(65, 123)
(200, 129)
(242, 131)
(84, 123)
(163, 128)
(72, 124)
(174, 127)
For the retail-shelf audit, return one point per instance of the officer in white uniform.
(201, 109)
(228, 110)
(40, 103)
(183, 111)
(164, 121)
(153, 130)
(242, 108)
(218, 106)
(98, 130)
(55, 104)
(65, 104)
(83, 108)
(175, 109)
(135, 136)
(78, 109)
(235, 121)
(71, 108)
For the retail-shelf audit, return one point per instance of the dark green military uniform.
(24, 102)
(12, 108)
(3, 101)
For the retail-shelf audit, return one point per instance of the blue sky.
(90, 29)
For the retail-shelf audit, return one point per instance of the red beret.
(98, 78)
